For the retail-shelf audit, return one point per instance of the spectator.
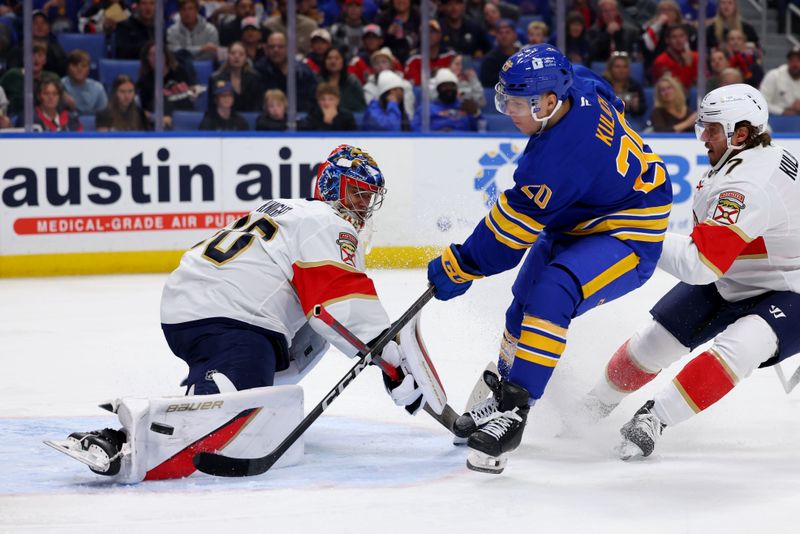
(273, 119)
(447, 112)
(717, 62)
(730, 76)
(577, 45)
(177, 95)
(13, 81)
(538, 32)
(584, 8)
(252, 39)
(320, 44)
(327, 115)
(192, 35)
(440, 55)
(781, 86)
(540, 8)
(728, 19)
(131, 35)
(222, 117)
(5, 122)
(246, 82)
(273, 68)
(388, 112)
(122, 113)
(231, 31)
(670, 112)
(40, 30)
(360, 66)
(506, 46)
(82, 94)
(507, 10)
(347, 31)
(49, 115)
(309, 9)
(744, 57)
(400, 23)
(618, 74)
(469, 86)
(102, 16)
(636, 13)
(491, 16)
(350, 90)
(609, 33)
(677, 59)
(668, 14)
(305, 25)
(383, 60)
(460, 33)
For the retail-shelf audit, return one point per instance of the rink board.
(102, 204)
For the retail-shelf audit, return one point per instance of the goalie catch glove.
(404, 391)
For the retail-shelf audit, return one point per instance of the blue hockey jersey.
(590, 173)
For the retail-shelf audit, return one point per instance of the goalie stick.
(221, 465)
(448, 416)
(788, 385)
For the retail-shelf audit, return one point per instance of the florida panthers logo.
(729, 205)
(347, 246)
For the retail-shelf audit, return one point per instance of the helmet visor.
(515, 106)
(708, 131)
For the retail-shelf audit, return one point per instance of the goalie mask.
(527, 76)
(350, 181)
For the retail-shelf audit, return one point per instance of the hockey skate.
(101, 450)
(502, 433)
(480, 405)
(639, 435)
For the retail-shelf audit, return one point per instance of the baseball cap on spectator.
(434, 24)
(388, 80)
(793, 52)
(39, 13)
(373, 29)
(506, 23)
(250, 22)
(383, 51)
(321, 33)
(223, 86)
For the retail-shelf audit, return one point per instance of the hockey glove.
(450, 274)
(404, 391)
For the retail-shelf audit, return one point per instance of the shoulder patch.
(347, 247)
(729, 205)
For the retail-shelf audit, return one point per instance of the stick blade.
(224, 466)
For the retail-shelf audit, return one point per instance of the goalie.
(238, 310)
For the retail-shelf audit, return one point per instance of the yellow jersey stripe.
(533, 357)
(632, 236)
(454, 270)
(547, 326)
(511, 227)
(640, 212)
(626, 264)
(502, 238)
(609, 225)
(532, 224)
(539, 341)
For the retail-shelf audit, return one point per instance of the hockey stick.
(448, 416)
(220, 465)
(788, 385)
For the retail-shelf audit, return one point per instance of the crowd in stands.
(358, 63)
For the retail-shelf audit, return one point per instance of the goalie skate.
(483, 463)
(101, 450)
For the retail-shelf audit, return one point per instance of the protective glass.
(709, 129)
(515, 106)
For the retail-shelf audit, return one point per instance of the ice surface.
(69, 344)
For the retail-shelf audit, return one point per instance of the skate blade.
(483, 463)
(459, 441)
(629, 451)
(85, 457)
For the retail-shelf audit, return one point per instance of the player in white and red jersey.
(739, 272)
(237, 311)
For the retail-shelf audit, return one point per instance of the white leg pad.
(165, 433)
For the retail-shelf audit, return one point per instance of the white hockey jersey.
(271, 267)
(747, 227)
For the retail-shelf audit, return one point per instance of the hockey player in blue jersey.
(591, 200)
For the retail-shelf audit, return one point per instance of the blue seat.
(499, 123)
(524, 20)
(598, 67)
(88, 122)
(183, 121)
(488, 107)
(637, 71)
(203, 71)
(251, 116)
(649, 97)
(111, 68)
(691, 99)
(93, 43)
(784, 123)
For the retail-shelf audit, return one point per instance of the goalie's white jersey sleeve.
(747, 227)
(270, 268)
